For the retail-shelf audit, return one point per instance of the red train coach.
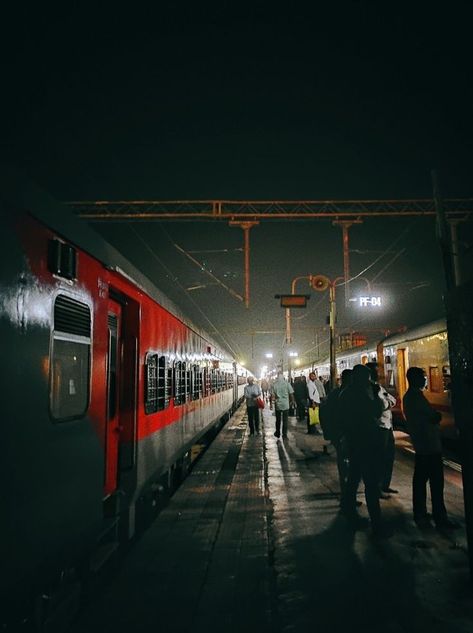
(106, 388)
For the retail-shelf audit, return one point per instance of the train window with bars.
(206, 387)
(179, 382)
(151, 383)
(189, 373)
(70, 359)
(196, 382)
(157, 388)
(213, 381)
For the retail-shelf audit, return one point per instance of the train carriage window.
(196, 382)
(206, 386)
(179, 382)
(151, 383)
(70, 359)
(163, 388)
(189, 383)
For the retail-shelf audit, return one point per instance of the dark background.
(261, 101)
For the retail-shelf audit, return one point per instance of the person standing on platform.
(360, 411)
(320, 387)
(386, 435)
(252, 392)
(301, 395)
(282, 394)
(423, 424)
(265, 388)
(314, 401)
(333, 428)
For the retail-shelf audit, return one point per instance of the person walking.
(265, 388)
(386, 435)
(251, 393)
(301, 394)
(360, 410)
(314, 401)
(423, 424)
(283, 395)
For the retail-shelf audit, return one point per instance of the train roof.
(18, 192)
(429, 329)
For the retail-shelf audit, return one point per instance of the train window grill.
(188, 387)
(70, 360)
(213, 381)
(179, 382)
(163, 389)
(206, 387)
(151, 383)
(196, 382)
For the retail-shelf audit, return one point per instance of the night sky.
(252, 101)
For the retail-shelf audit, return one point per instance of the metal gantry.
(133, 210)
(247, 214)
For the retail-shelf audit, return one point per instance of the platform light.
(269, 355)
(293, 354)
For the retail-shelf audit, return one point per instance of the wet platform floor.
(253, 540)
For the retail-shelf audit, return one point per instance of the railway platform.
(253, 540)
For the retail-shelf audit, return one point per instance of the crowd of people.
(356, 417)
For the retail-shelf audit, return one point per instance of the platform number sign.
(365, 302)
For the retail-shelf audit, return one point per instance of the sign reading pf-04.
(364, 302)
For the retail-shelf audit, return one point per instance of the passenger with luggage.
(314, 402)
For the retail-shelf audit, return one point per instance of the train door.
(401, 356)
(113, 381)
(122, 380)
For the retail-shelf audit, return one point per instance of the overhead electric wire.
(184, 290)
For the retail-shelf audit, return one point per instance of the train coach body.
(106, 387)
(425, 346)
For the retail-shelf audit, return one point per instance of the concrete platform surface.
(253, 540)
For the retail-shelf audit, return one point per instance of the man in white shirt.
(252, 392)
(314, 401)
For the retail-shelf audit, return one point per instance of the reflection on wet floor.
(254, 541)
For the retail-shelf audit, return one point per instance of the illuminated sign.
(293, 301)
(374, 302)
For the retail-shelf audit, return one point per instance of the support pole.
(246, 226)
(345, 225)
(455, 252)
(332, 319)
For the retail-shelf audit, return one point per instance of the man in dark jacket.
(301, 394)
(359, 411)
(423, 424)
(333, 427)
